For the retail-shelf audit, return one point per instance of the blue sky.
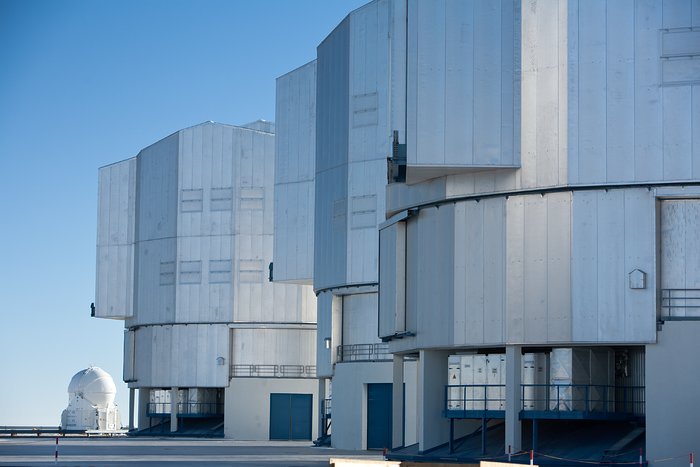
(87, 83)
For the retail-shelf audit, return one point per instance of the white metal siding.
(181, 355)
(360, 319)
(462, 88)
(332, 113)
(156, 230)
(295, 144)
(203, 240)
(392, 279)
(273, 346)
(115, 240)
(479, 273)
(613, 234)
(630, 117)
(429, 287)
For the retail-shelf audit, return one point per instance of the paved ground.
(152, 452)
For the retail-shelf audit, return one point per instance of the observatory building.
(515, 187)
(183, 253)
(91, 404)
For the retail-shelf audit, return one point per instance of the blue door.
(290, 416)
(379, 411)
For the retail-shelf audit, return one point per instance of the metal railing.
(363, 352)
(475, 397)
(326, 407)
(273, 371)
(675, 300)
(583, 398)
(185, 409)
(586, 398)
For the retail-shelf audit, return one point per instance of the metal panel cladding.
(295, 159)
(332, 118)
(203, 234)
(115, 240)
(463, 88)
(355, 115)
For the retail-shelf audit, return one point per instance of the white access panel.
(454, 395)
(534, 373)
(474, 373)
(561, 373)
(495, 377)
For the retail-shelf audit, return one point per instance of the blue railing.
(595, 398)
(185, 409)
(363, 352)
(548, 398)
(475, 397)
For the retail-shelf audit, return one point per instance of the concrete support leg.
(322, 407)
(132, 400)
(173, 410)
(398, 404)
(513, 398)
(433, 428)
(144, 421)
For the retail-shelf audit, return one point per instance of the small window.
(191, 200)
(190, 272)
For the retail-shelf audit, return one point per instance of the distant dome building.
(91, 406)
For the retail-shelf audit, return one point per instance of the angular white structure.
(542, 199)
(569, 221)
(184, 242)
(349, 108)
(91, 406)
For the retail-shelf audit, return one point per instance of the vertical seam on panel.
(625, 331)
(607, 91)
(634, 91)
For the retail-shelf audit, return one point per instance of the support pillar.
(173, 409)
(144, 397)
(514, 366)
(398, 404)
(322, 407)
(433, 428)
(132, 399)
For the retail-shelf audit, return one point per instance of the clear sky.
(87, 83)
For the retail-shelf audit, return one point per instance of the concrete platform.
(161, 452)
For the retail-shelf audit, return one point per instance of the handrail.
(247, 370)
(363, 352)
(679, 299)
(185, 408)
(549, 398)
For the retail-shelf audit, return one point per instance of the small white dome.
(95, 385)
